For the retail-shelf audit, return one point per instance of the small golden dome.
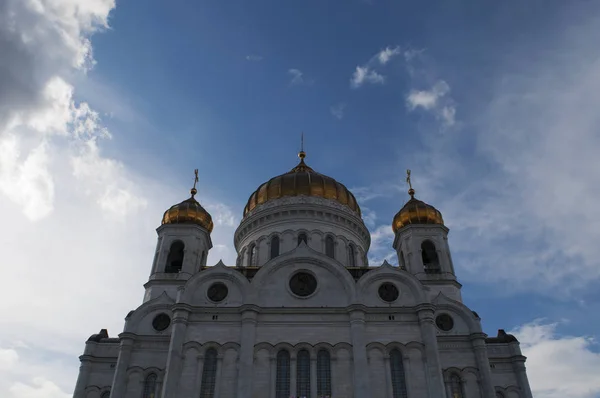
(189, 212)
(416, 212)
(302, 181)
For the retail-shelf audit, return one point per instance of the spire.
(411, 191)
(194, 191)
(302, 154)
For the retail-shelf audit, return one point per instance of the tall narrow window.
(105, 394)
(329, 247)
(203, 259)
(282, 382)
(303, 374)
(252, 255)
(209, 374)
(150, 386)
(175, 258)
(499, 394)
(430, 258)
(302, 238)
(456, 387)
(274, 246)
(398, 378)
(351, 255)
(323, 374)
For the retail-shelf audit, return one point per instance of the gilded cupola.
(302, 180)
(189, 211)
(416, 211)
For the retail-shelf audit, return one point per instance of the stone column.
(434, 371)
(519, 367)
(119, 385)
(273, 369)
(359, 354)
(313, 377)
(199, 370)
(173, 368)
(483, 363)
(389, 390)
(246, 361)
(82, 379)
(218, 377)
(293, 375)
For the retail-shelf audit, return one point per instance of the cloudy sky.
(106, 108)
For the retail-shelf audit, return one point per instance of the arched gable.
(139, 321)
(194, 291)
(412, 291)
(445, 304)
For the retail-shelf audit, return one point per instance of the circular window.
(303, 284)
(388, 292)
(161, 322)
(444, 322)
(217, 292)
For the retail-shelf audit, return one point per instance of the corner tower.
(182, 246)
(421, 242)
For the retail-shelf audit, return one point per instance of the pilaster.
(246, 361)
(119, 385)
(483, 363)
(359, 353)
(174, 356)
(435, 380)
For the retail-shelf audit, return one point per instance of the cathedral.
(302, 313)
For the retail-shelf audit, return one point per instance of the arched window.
(351, 255)
(329, 247)
(175, 258)
(323, 374)
(150, 386)
(402, 262)
(303, 374)
(274, 246)
(209, 374)
(398, 378)
(105, 394)
(302, 238)
(252, 255)
(430, 258)
(456, 386)
(282, 382)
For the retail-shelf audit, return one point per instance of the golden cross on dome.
(194, 191)
(302, 154)
(411, 191)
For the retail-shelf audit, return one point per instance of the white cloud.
(297, 76)
(363, 74)
(559, 366)
(8, 358)
(431, 100)
(254, 57)
(387, 54)
(367, 74)
(338, 110)
(381, 249)
(38, 388)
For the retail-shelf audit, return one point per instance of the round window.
(161, 322)
(444, 322)
(217, 292)
(303, 284)
(388, 292)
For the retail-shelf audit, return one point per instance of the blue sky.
(493, 105)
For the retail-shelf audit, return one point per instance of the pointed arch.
(329, 246)
(175, 257)
(397, 374)
(150, 386)
(209, 374)
(302, 237)
(323, 373)
(303, 373)
(351, 255)
(274, 246)
(282, 380)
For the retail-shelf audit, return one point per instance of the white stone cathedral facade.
(302, 313)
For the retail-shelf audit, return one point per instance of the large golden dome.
(189, 212)
(416, 212)
(302, 181)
